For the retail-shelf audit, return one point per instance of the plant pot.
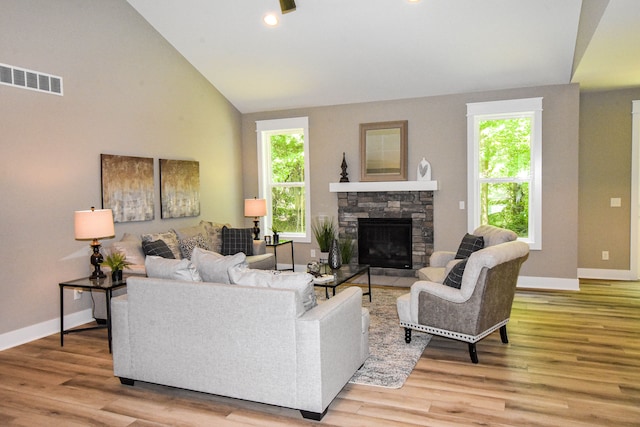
(116, 275)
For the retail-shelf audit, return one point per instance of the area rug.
(391, 360)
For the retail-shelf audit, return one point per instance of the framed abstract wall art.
(179, 188)
(127, 187)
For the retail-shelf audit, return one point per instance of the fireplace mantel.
(344, 187)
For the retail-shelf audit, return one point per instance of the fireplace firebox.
(385, 242)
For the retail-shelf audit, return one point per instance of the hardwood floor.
(573, 360)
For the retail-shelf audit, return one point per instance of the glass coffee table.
(343, 275)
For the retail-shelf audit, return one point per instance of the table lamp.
(255, 208)
(93, 225)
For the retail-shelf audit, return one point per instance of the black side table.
(106, 285)
(275, 252)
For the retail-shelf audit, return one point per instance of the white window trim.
(263, 180)
(481, 111)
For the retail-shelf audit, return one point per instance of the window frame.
(264, 129)
(491, 110)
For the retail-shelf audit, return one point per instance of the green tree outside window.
(505, 173)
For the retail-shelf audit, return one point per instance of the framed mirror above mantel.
(383, 151)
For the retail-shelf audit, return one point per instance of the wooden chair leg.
(473, 353)
(503, 334)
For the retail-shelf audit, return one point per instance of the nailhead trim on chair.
(454, 335)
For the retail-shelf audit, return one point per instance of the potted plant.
(276, 235)
(346, 250)
(117, 261)
(324, 232)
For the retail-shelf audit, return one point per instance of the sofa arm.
(329, 348)
(120, 342)
(441, 258)
(259, 247)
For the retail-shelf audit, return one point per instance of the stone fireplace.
(414, 205)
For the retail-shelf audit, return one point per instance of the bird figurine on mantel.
(424, 170)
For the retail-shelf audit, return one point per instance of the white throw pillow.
(213, 267)
(302, 283)
(175, 269)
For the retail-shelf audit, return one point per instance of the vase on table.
(335, 259)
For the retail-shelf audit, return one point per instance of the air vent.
(29, 79)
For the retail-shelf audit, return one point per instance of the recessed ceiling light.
(270, 19)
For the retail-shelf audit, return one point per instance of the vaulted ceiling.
(330, 52)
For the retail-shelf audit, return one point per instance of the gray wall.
(438, 131)
(127, 92)
(605, 172)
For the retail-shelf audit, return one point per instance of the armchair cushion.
(469, 245)
(236, 240)
(494, 235)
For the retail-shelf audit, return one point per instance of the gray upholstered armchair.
(480, 306)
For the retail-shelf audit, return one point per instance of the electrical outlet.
(461, 204)
(313, 253)
(605, 255)
(616, 202)
(77, 293)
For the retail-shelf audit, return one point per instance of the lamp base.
(96, 260)
(256, 229)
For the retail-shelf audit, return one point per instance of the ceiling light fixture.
(270, 19)
(287, 6)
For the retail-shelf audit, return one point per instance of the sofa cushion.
(214, 233)
(302, 283)
(213, 267)
(170, 238)
(174, 269)
(157, 248)
(454, 278)
(189, 243)
(236, 240)
(469, 245)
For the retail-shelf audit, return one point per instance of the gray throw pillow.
(157, 248)
(454, 278)
(469, 245)
(236, 240)
(174, 269)
(213, 267)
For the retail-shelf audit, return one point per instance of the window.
(505, 166)
(283, 176)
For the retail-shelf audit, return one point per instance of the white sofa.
(245, 342)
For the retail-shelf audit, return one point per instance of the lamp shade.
(255, 207)
(94, 224)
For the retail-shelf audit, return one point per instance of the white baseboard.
(549, 283)
(599, 273)
(44, 329)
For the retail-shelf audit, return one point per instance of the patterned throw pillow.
(170, 238)
(187, 245)
(454, 278)
(157, 248)
(469, 245)
(236, 240)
